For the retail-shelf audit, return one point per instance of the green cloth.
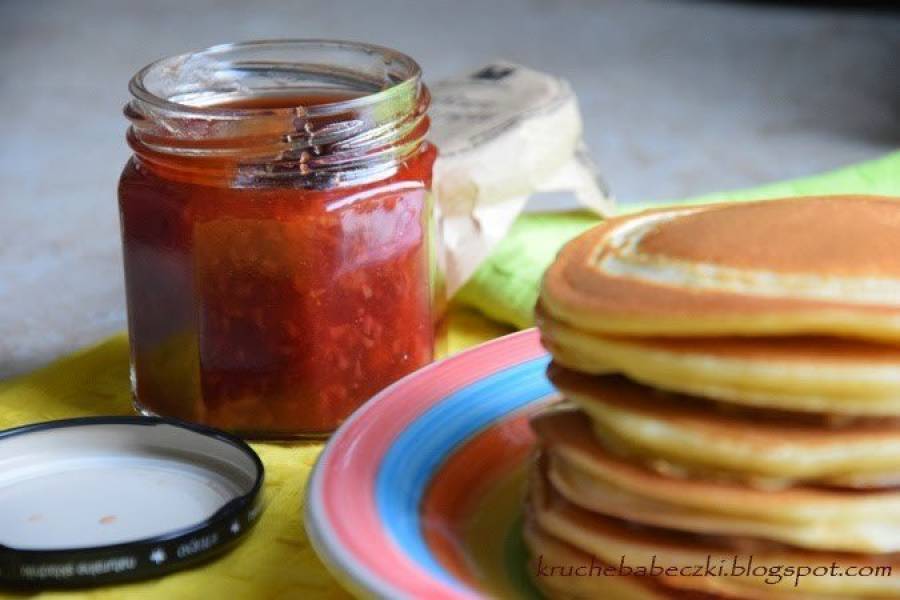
(505, 287)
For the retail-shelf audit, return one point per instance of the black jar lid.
(105, 499)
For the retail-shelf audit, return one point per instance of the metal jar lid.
(104, 499)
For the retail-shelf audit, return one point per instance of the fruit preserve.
(276, 229)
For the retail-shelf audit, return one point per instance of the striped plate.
(418, 494)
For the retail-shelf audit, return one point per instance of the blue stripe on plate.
(419, 450)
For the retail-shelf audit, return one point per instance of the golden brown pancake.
(595, 478)
(815, 374)
(562, 571)
(740, 444)
(610, 539)
(558, 586)
(826, 265)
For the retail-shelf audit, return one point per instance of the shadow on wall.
(868, 6)
(877, 79)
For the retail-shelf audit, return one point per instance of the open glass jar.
(276, 229)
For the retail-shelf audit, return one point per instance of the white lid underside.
(96, 485)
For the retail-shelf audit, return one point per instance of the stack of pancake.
(732, 384)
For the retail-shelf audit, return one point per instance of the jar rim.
(139, 90)
(182, 113)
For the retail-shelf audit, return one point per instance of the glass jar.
(276, 230)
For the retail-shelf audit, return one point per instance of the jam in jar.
(276, 229)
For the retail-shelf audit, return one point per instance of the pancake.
(829, 375)
(825, 265)
(589, 475)
(591, 494)
(740, 444)
(555, 552)
(609, 540)
(549, 553)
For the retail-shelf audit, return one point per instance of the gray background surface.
(678, 97)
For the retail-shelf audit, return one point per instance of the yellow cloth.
(276, 560)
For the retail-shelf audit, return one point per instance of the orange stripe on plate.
(462, 482)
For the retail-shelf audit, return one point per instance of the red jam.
(273, 310)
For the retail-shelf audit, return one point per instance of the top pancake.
(827, 265)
